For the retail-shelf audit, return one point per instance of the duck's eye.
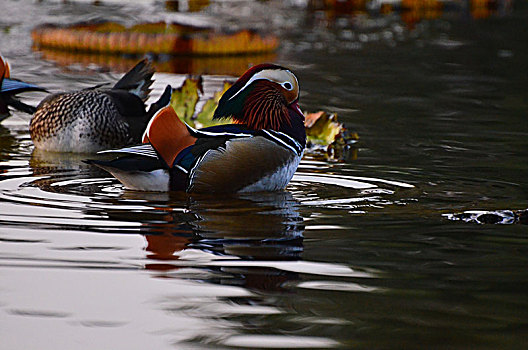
(287, 86)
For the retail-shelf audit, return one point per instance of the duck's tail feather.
(138, 80)
(8, 89)
(17, 104)
(131, 163)
(15, 86)
(142, 174)
(137, 124)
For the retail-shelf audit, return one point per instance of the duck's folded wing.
(241, 162)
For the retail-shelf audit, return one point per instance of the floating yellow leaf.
(185, 98)
(205, 117)
(322, 128)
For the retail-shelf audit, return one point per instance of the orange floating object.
(156, 38)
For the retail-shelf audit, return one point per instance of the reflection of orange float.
(234, 65)
(156, 38)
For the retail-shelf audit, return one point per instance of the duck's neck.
(296, 128)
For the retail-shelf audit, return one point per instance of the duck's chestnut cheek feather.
(291, 95)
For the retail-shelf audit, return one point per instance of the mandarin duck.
(9, 88)
(96, 118)
(259, 151)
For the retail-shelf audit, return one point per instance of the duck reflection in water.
(257, 227)
(253, 227)
(49, 168)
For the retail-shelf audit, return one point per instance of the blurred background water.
(358, 252)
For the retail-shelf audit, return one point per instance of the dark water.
(355, 253)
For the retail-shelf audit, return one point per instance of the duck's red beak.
(295, 106)
(4, 68)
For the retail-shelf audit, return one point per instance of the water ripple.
(279, 342)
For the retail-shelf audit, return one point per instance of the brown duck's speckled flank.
(92, 119)
(94, 109)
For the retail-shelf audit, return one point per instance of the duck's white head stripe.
(273, 75)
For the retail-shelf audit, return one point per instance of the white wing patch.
(154, 181)
(145, 150)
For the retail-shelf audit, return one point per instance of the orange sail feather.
(168, 135)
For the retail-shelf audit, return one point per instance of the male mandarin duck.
(260, 151)
(9, 88)
(96, 118)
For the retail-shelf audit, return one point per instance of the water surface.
(355, 253)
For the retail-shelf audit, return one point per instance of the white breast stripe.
(285, 144)
(193, 170)
(297, 144)
(181, 168)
